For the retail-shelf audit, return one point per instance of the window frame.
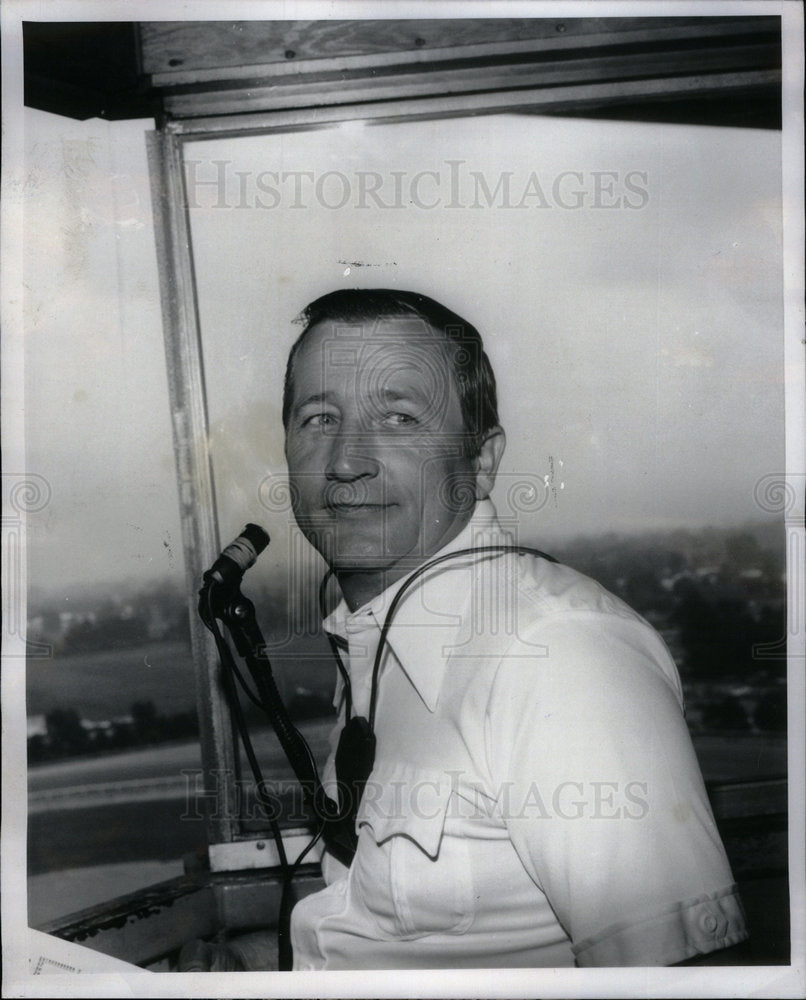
(230, 847)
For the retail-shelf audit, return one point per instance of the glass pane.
(627, 281)
(110, 689)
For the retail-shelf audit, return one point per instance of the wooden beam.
(347, 88)
(187, 50)
(235, 68)
(119, 70)
(556, 100)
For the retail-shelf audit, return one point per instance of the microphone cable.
(482, 550)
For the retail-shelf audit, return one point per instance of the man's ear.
(485, 464)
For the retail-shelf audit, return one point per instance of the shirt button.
(709, 923)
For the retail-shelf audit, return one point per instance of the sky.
(626, 279)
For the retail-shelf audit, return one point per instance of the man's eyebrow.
(412, 392)
(315, 397)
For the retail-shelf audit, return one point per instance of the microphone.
(237, 557)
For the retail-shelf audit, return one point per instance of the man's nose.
(351, 457)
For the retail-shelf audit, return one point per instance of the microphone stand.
(218, 600)
(227, 603)
(237, 613)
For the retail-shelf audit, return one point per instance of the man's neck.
(360, 586)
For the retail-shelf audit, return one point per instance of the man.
(535, 799)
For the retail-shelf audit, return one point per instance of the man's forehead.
(389, 344)
(399, 358)
(379, 330)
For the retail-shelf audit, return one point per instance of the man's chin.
(361, 564)
(358, 564)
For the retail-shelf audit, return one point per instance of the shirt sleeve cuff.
(695, 927)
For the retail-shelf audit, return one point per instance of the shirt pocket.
(411, 877)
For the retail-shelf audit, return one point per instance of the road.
(165, 771)
(135, 806)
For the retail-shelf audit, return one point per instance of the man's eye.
(319, 420)
(400, 419)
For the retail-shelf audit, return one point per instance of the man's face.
(376, 446)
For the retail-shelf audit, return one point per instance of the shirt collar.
(430, 615)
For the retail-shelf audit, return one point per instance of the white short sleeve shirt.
(535, 800)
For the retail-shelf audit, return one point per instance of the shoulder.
(532, 594)
(552, 588)
(556, 625)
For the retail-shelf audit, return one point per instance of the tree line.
(68, 735)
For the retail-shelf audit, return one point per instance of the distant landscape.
(120, 671)
(112, 724)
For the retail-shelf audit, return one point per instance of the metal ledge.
(150, 924)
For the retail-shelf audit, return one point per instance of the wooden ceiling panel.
(694, 68)
(183, 46)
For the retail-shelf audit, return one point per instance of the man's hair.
(472, 371)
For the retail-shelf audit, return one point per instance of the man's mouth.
(356, 508)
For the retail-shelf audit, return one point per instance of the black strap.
(485, 550)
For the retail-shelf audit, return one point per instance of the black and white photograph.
(403, 499)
